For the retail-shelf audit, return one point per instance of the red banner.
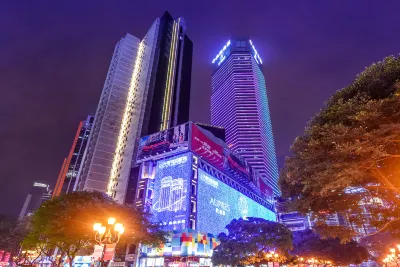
(6, 257)
(206, 148)
(109, 252)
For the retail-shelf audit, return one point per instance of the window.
(140, 193)
(240, 43)
(193, 224)
(193, 206)
(193, 189)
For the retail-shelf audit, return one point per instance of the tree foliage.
(307, 244)
(349, 155)
(66, 222)
(379, 244)
(12, 232)
(248, 240)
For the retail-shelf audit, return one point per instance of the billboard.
(170, 200)
(218, 204)
(226, 160)
(163, 143)
(204, 147)
(220, 157)
(235, 164)
(109, 252)
(265, 189)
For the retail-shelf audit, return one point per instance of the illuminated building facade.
(187, 179)
(239, 103)
(147, 90)
(291, 219)
(66, 181)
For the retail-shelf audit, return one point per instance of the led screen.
(220, 157)
(218, 204)
(170, 203)
(206, 148)
(163, 143)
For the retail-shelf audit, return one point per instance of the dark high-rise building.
(70, 168)
(168, 96)
(147, 90)
(38, 194)
(239, 103)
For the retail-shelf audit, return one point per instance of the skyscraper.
(38, 194)
(239, 103)
(147, 90)
(69, 170)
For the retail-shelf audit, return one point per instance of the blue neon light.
(256, 55)
(170, 203)
(221, 53)
(218, 204)
(221, 60)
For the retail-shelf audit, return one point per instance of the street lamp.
(392, 257)
(272, 255)
(315, 261)
(107, 234)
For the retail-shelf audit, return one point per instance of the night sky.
(54, 58)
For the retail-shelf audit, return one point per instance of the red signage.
(276, 264)
(98, 252)
(225, 160)
(6, 257)
(206, 148)
(109, 252)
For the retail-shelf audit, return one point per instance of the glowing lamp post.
(314, 262)
(392, 257)
(108, 234)
(272, 256)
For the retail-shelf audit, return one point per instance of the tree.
(12, 232)
(249, 240)
(307, 244)
(66, 222)
(380, 243)
(348, 159)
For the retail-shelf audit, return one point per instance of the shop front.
(185, 248)
(176, 262)
(82, 261)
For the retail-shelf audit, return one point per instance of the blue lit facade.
(183, 190)
(239, 103)
(220, 204)
(170, 203)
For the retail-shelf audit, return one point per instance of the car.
(154, 147)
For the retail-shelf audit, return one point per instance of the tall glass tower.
(66, 181)
(239, 103)
(147, 90)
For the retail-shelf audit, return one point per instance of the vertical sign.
(98, 252)
(109, 252)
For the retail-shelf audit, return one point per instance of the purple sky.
(54, 58)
